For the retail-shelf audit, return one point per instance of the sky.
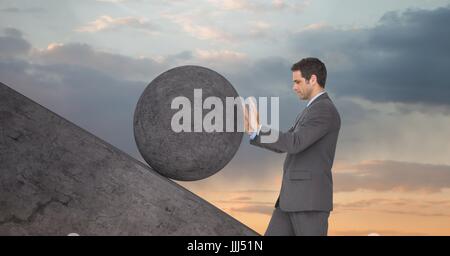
(388, 74)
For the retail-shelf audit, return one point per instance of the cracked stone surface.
(185, 156)
(57, 179)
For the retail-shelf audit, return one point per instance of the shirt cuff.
(253, 134)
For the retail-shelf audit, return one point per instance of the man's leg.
(310, 223)
(280, 224)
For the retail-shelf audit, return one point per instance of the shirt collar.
(315, 97)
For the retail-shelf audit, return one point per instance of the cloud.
(242, 198)
(392, 131)
(12, 32)
(269, 76)
(296, 6)
(426, 207)
(112, 1)
(107, 22)
(257, 191)
(315, 26)
(147, 1)
(261, 209)
(233, 4)
(392, 175)
(206, 24)
(202, 32)
(258, 30)
(17, 10)
(181, 56)
(220, 55)
(404, 58)
(364, 204)
(115, 65)
(259, 6)
(12, 44)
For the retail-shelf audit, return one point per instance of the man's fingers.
(252, 104)
(245, 109)
(250, 115)
(253, 119)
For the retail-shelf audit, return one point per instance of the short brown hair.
(312, 66)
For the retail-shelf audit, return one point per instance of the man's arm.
(316, 125)
(253, 137)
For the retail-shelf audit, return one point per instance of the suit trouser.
(305, 223)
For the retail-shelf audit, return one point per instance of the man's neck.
(314, 94)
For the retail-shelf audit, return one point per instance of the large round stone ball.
(194, 152)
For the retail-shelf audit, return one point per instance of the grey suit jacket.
(310, 144)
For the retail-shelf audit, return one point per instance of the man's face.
(301, 86)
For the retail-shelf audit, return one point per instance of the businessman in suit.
(306, 197)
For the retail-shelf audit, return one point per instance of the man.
(306, 196)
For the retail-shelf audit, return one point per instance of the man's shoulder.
(324, 105)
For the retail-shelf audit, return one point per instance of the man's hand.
(251, 117)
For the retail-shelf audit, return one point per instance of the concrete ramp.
(56, 179)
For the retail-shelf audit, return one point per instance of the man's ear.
(313, 79)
